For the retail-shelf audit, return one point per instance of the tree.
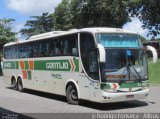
(148, 11)
(63, 16)
(110, 13)
(70, 14)
(38, 24)
(143, 40)
(90, 13)
(6, 32)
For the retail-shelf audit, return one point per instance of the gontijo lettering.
(57, 65)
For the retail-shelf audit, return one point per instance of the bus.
(96, 64)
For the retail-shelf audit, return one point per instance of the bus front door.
(94, 75)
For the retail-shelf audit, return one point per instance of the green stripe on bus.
(17, 64)
(105, 86)
(55, 65)
(48, 65)
(29, 75)
(132, 85)
(26, 65)
(125, 85)
(76, 62)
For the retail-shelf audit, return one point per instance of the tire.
(13, 83)
(72, 95)
(20, 85)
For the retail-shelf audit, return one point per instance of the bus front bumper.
(125, 96)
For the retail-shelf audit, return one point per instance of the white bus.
(96, 64)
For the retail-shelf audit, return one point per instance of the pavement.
(32, 103)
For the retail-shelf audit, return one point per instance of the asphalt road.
(37, 102)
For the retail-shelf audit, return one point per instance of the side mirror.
(102, 53)
(154, 53)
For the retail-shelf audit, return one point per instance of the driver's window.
(93, 65)
(86, 44)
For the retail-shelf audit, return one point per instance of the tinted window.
(86, 45)
(60, 46)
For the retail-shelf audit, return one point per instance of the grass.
(154, 72)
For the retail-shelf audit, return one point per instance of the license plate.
(129, 96)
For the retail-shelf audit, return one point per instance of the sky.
(21, 10)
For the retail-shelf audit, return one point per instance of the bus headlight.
(110, 90)
(145, 87)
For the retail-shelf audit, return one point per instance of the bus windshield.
(125, 64)
(125, 58)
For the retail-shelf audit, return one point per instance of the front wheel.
(72, 95)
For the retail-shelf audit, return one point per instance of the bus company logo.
(57, 65)
(139, 84)
(7, 65)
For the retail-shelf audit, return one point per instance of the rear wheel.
(72, 95)
(20, 85)
(13, 83)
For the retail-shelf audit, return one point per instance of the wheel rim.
(13, 83)
(19, 86)
(74, 94)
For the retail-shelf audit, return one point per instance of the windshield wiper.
(140, 78)
(128, 66)
(124, 74)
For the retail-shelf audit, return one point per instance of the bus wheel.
(20, 85)
(13, 83)
(72, 95)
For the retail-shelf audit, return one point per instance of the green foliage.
(62, 16)
(70, 14)
(38, 24)
(148, 12)
(154, 72)
(158, 39)
(6, 33)
(143, 40)
(90, 13)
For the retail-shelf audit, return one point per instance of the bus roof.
(61, 33)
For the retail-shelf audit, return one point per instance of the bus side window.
(6, 52)
(57, 51)
(57, 46)
(35, 53)
(66, 47)
(74, 51)
(73, 45)
(51, 48)
(30, 51)
(16, 52)
(51, 52)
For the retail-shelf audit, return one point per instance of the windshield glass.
(125, 58)
(118, 40)
(127, 64)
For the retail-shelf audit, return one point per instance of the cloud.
(32, 7)
(17, 27)
(136, 26)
